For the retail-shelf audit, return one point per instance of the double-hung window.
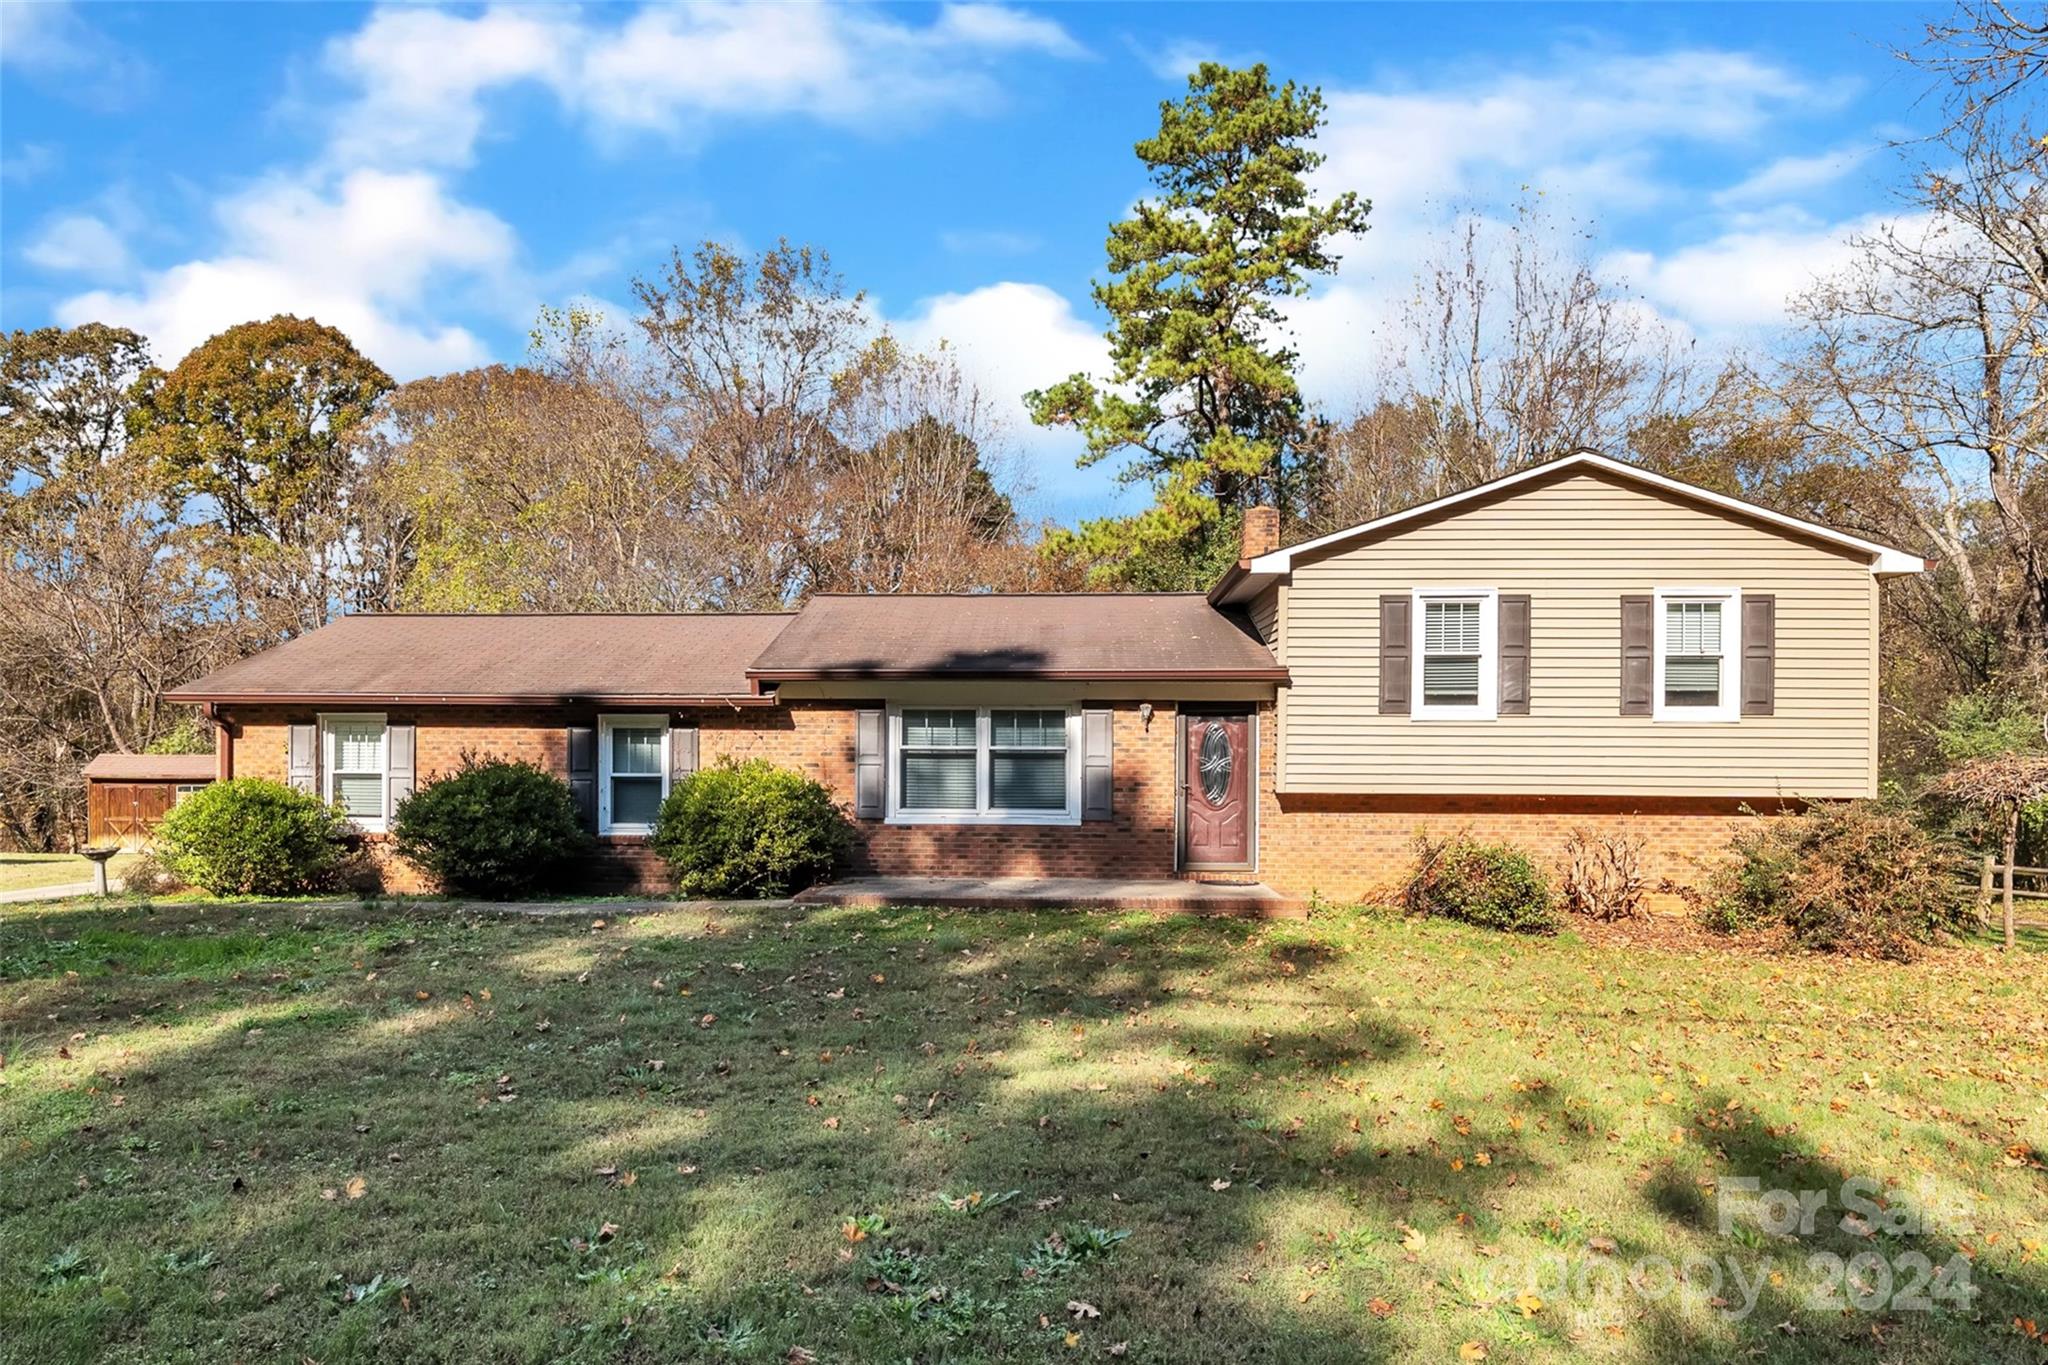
(632, 772)
(355, 768)
(1456, 664)
(984, 765)
(1697, 667)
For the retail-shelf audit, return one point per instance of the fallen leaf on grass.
(1082, 1310)
(1380, 1308)
(357, 1187)
(1472, 1350)
(1219, 1185)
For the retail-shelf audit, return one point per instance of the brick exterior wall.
(1343, 848)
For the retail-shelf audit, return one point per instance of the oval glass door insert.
(1216, 763)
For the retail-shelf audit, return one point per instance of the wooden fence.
(2002, 880)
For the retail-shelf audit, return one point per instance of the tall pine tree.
(1202, 401)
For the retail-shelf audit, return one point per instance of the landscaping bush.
(254, 837)
(749, 829)
(1495, 886)
(491, 828)
(1856, 877)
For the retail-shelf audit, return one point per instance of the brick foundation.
(1341, 847)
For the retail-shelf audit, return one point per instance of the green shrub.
(254, 837)
(1851, 877)
(491, 828)
(749, 829)
(1495, 886)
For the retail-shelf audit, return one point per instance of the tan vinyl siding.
(1265, 614)
(1576, 545)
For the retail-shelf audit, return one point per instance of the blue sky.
(427, 178)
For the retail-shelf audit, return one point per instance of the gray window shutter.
(400, 743)
(1097, 801)
(1638, 642)
(869, 766)
(682, 753)
(583, 773)
(302, 758)
(1394, 654)
(1514, 654)
(1759, 653)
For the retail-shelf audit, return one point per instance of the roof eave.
(1885, 560)
(1020, 675)
(191, 697)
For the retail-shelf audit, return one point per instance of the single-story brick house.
(1583, 643)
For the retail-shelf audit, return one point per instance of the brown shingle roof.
(151, 768)
(1050, 635)
(509, 658)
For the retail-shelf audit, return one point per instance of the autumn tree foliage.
(247, 440)
(103, 604)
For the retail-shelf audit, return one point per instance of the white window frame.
(329, 792)
(187, 790)
(1488, 705)
(627, 720)
(1729, 708)
(984, 730)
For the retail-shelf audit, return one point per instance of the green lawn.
(274, 1133)
(26, 871)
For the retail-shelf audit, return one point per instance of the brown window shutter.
(302, 757)
(1638, 645)
(1097, 801)
(1395, 647)
(583, 773)
(401, 744)
(682, 753)
(1759, 653)
(1514, 654)
(869, 764)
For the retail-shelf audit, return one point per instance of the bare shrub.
(1600, 876)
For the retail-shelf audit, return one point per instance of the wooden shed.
(126, 794)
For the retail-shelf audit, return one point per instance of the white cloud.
(989, 242)
(374, 254)
(29, 163)
(1178, 59)
(423, 75)
(1013, 337)
(50, 43)
(1791, 175)
(79, 244)
(1741, 278)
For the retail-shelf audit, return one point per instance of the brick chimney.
(1260, 533)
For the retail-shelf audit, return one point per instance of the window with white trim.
(632, 773)
(984, 765)
(1456, 664)
(355, 769)
(1698, 670)
(187, 790)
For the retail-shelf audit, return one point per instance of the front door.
(1215, 792)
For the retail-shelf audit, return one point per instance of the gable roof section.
(504, 659)
(1024, 635)
(151, 768)
(1245, 581)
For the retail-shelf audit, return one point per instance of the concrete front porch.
(1059, 893)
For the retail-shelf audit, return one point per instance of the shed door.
(1215, 788)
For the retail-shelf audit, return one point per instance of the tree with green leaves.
(1202, 401)
(253, 426)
